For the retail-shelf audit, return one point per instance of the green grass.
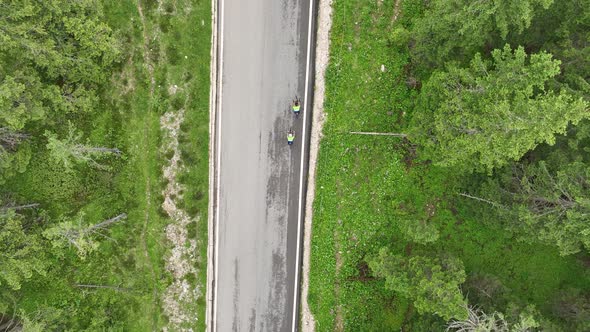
(129, 118)
(362, 180)
(186, 41)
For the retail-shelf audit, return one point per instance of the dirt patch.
(430, 209)
(409, 152)
(584, 260)
(395, 11)
(167, 7)
(408, 249)
(172, 89)
(455, 213)
(410, 155)
(180, 297)
(364, 272)
(126, 81)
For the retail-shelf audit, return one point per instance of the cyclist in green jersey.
(290, 137)
(296, 106)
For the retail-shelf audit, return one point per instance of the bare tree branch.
(117, 288)
(20, 207)
(494, 204)
(377, 134)
(108, 222)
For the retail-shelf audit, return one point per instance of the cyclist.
(296, 106)
(290, 137)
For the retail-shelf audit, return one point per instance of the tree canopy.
(551, 206)
(432, 283)
(53, 56)
(459, 28)
(479, 118)
(22, 251)
(70, 150)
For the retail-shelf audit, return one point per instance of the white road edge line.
(300, 214)
(218, 151)
(212, 154)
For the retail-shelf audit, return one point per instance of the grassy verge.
(187, 44)
(169, 44)
(178, 35)
(364, 181)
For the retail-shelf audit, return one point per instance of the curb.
(211, 231)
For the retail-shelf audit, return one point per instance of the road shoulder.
(211, 231)
(321, 63)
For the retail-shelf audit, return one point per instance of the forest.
(476, 215)
(101, 123)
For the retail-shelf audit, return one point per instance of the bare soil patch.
(180, 297)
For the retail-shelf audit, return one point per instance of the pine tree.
(482, 117)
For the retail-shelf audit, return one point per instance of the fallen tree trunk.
(377, 134)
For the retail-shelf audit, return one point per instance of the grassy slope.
(363, 179)
(190, 36)
(179, 35)
(130, 121)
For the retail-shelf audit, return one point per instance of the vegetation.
(481, 117)
(83, 87)
(474, 218)
(432, 283)
(551, 206)
(478, 320)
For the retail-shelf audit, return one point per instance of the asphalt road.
(263, 68)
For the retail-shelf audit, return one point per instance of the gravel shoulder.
(322, 57)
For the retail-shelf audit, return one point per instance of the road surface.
(263, 66)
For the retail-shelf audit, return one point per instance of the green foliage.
(22, 251)
(58, 75)
(69, 150)
(400, 37)
(550, 206)
(459, 28)
(523, 319)
(572, 306)
(432, 283)
(72, 232)
(419, 230)
(21, 101)
(479, 321)
(53, 57)
(14, 162)
(369, 188)
(23, 98)
(479, 118)
(507, 15)
(563, 31)
(487, 290)
(79, 233)
(420, 214)
(44, 318)
(47, 182)
(64, 38)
